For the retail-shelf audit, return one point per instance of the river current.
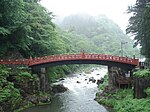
(79, 97)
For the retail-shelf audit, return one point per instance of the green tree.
(139, 25)
(27, 27)
(11, 16)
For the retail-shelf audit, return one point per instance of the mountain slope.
(96, 35)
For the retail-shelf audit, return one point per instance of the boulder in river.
(100, 81)
(33, 99)
(92, 79)
(59, 88)
(78, 82)
(45, 99)
(85, 79)
(61, 79)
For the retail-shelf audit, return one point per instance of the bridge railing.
(62, 57)
(82, 56)
(14, 61)
(144, 64)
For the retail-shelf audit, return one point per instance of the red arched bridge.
(82, 58)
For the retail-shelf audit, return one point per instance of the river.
(79, 97)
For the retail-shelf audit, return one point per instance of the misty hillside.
(96, 35)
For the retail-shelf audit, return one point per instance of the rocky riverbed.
(79, 96)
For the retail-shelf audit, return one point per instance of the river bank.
(79, 97)
(25, 94)
(20, 89)
(122, 100)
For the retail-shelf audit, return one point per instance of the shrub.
(26, 75)
(105, 83)
(147, 91)
(142, 73)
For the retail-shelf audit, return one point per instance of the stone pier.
(119, 76)
(43, 79)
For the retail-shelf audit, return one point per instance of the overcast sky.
(113, 9)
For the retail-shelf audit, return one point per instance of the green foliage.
(15, 84)
(105, 83)
(111, 99)
(26, 75)
(4, 73)
(55, 73)
(139, 25)
(27, 27)
(107, 102)
(4, 31)
(142, 73)
(11, 16)
(96, 35)
(147, 91)
(9, 95)
(123, 101)
(128, 104)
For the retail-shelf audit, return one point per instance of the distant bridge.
(82, 58)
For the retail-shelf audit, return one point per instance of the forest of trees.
(96, 35)
(27, 28)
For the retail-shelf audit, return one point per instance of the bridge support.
(119, 76)
(43, 79)
(112, 74)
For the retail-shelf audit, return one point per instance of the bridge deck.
(63, 57)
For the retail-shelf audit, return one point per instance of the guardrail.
(62, 57)
(83, 56)
(144, 64)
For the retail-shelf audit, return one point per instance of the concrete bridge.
(42, 63)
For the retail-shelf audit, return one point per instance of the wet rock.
(45, 99)
(87, 72)
(78, 82)
(100, 81)
(111, 90)
(61, 79)
(59, 88)
(33, 99)
(85, 79)
(92, 79)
